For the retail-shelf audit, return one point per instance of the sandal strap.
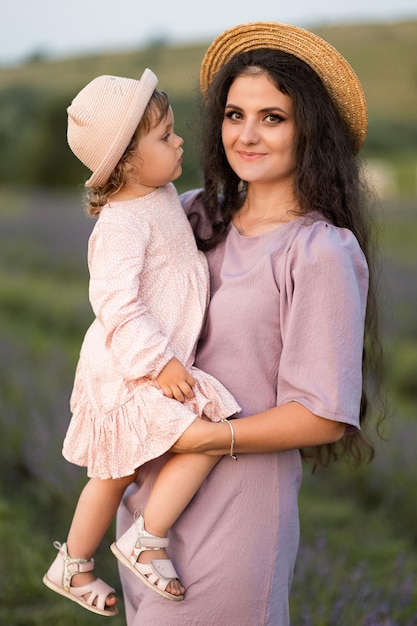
(165, 569)
(97, 591)
(145, 540)
(153, 542)
(72, 566)
(160, 572)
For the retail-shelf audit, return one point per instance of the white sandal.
(156, 575)
(59, 575)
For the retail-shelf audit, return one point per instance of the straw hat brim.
(337, 75)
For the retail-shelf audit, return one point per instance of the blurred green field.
(358, 556)
(357, 564)
(34, 97)
(381, 55)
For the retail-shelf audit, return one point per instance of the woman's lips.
(250, 156)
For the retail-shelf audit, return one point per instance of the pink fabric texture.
(285, 323)
(149, 293)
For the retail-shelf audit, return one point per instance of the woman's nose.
(249, 133)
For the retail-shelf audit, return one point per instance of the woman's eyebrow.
(272, 109)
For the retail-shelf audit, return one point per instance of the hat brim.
(145, 88)
(337, 75)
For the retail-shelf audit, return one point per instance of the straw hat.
(337, 75)
(103, 118)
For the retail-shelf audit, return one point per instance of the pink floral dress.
(149, 293)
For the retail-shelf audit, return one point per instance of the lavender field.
(358, 557)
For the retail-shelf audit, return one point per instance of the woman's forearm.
(286, 427)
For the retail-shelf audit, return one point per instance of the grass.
(357, 563)
(348, 561)
(353, 569)
(25, 536)
(399, 236)
(376, 51)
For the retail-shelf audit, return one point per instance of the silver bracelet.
(232, 445)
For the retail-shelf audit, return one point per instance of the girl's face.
(258, 131)
(158, 156)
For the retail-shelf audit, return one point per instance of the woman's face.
(258, 131)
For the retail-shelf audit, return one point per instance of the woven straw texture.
(335, 72)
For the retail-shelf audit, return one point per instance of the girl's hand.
(175, 381)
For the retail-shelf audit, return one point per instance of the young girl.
(135, 390)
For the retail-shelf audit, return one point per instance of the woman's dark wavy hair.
(327, 179)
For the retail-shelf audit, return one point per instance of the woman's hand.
(175, 381)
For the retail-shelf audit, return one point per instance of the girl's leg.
(96, 507)
(177, 483)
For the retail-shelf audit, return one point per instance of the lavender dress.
(285, 323)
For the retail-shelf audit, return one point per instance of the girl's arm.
(118, 256)
(286, 427)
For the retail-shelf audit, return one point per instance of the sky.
(66, 28)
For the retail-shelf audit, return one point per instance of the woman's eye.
(233, 115)
(273, 118)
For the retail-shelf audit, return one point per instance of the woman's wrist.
(232, 439)
(204, 436)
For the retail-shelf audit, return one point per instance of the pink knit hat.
(103, 118)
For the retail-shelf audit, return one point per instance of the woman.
(289, 255)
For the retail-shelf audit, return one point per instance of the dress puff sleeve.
(117, 257)
(324, 285)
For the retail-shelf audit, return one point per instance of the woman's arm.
(285, 427)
